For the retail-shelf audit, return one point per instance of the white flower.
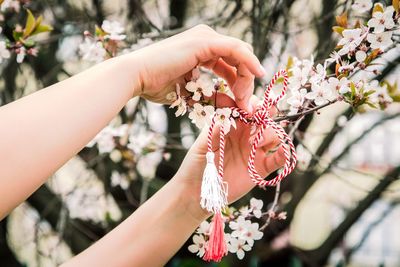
(239, 226)
(10, 4)
(381, 95)
(204, 228)
(346, 66)
(351, 39)
(341, 86)
(114, 30)
(198, 245)
(92, 51)
(300, 73)
(245, 211)
(380, 40)
(319, 74)
(201, 86)
(361, 56)
(238, 246)
(296, 101)
(320, 93)
(4, 53)
(361, 6)
(252, 233)
(21, 55)
(224, 118)
(381, 21)
(119, 179)
(201, 115)
(179, 102)
(333, 57)
(256, 206)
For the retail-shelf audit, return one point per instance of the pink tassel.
(216, 245)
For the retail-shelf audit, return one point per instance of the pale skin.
(42, 131)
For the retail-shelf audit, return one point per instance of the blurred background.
(342, 202)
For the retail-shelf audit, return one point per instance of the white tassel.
(213, 191)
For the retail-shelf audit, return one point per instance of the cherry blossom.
(21, 53)
(381, 21)
(341, 86)
(204, 228)
(114, 30)
(256, 206)
(296, 101)
(199, 245)
(118, 179)
(361, 56)
(200, 86)
(361, 6)
(239, 247)
(10, 4)
(352, 38)
(380, 96)
(251, 233)
(239, 226)
(4, 52)
(319, 74)
(223, 117)
(380, 40)
(320, 93)
(92, 51)
(201, 115)
(300, 73)
(179, 102)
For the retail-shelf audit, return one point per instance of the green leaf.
(42, 28)
(353, 89)
(99, 31)
(28, 43)
(369, 92)
(30, 24)
(17, 35)
(371, 105)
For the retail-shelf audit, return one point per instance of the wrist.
(189, 201)
(129, 69)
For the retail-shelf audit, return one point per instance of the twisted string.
(262, 119)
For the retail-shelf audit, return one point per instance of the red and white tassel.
(214, 190)
(216, 246)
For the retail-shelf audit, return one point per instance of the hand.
(237, 151)
(163, 64)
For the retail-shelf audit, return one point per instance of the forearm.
(152, 234)
(42, 131)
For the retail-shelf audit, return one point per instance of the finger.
(236, 51)
(222, 69)
(243, 88)
(266, 164)
(274, 161)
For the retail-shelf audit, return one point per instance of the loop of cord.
(263, 120)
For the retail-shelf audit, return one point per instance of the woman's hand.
(237, 151)
(165, 63)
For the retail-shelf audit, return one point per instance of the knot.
(210, 157)
(262, 119)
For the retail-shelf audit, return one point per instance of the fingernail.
(262, 71)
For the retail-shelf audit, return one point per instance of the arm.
(40, 132)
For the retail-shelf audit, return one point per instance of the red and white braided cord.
(261, 118)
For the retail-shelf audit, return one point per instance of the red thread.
(216, 245)
(262, 118)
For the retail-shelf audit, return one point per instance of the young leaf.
(378, 7)
(17, 36)
(30, 24)
(42, 28)
(338, 29)
(341, 20)
(396, 5)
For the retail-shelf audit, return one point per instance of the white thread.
(213, 191)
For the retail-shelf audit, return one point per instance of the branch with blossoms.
(23, 41)
(340, 78)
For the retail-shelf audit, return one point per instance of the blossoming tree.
(346, 71)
